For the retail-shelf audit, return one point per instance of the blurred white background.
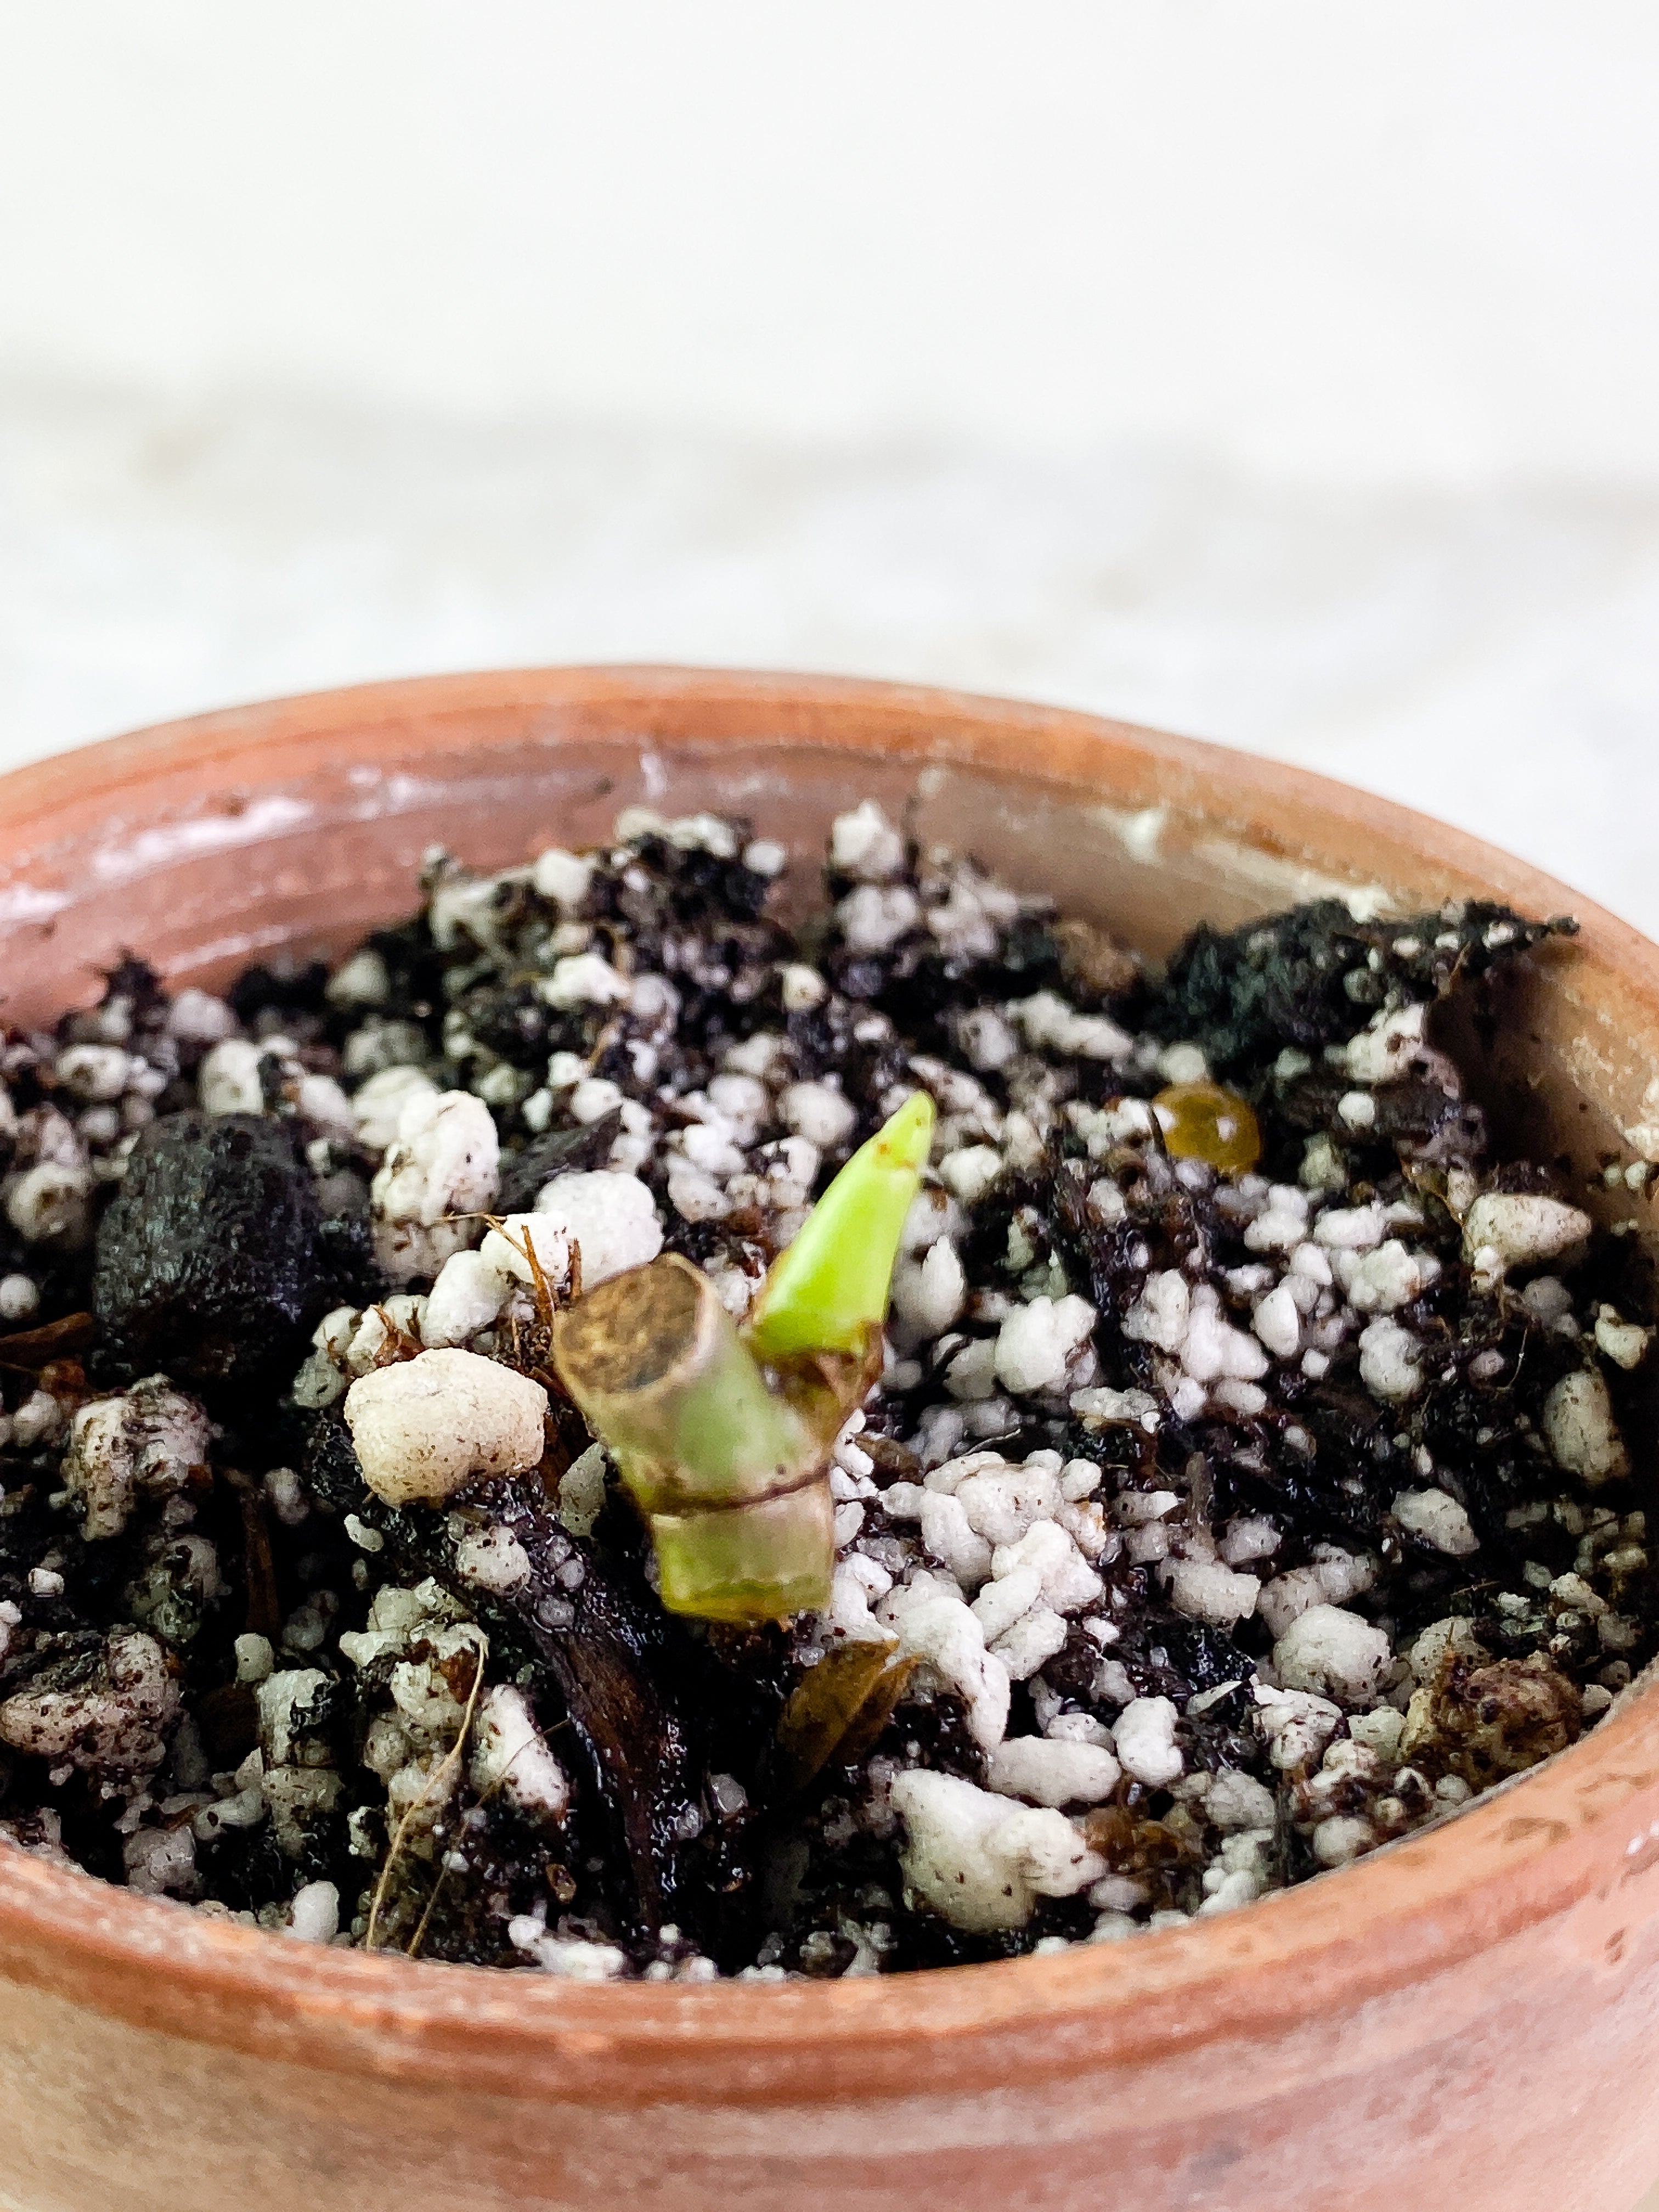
(1284, 373)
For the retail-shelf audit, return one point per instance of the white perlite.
(818, 1112)
(611, 1219)
(466, 1298)
(1052, 1771)
(562, 877)
(1520, 1229)
(1331, 1653)
(979, 1860)
(1391, 1277)
(1145, 1737)
(1331, 1576)
(933, 1622)
(871, 919)
(1278, 1321)
(1159, 1314)
(147, 1443)
(511, 1754)
(115, 1720)
(1580, 1430)
(425, 1426)
(581, 1491)
(584, 979)
(1439, 1520)
(445, 1162)
(1622, 1341)
(928, 1295)
(1297, 1724)
(49, 1203)
(1024, 1586)
(1391, 1361)
(1211, 1591)
(284, 1701)
(378, 1103)
(1038, 1342)
(491, 1560)
(865, 845)
(228, 1082)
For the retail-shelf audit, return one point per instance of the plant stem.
(725, 1469)
(726, 1457)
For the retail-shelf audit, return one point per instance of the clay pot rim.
(1526, 1852)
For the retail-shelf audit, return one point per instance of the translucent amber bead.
(1203, 1122)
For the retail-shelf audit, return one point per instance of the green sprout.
(723, 1437)
(829, 1290)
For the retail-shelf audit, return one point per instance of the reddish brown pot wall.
(1466, 2019)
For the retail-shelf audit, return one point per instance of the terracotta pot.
(1466, 2019)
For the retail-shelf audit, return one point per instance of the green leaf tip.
(828, 1291)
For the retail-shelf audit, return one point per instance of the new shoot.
(723, 1436)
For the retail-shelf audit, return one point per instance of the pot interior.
(295, 827)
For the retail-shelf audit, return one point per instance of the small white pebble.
(1235, 1801)
(864, 844)
(764, 856)
(581, 1491)
(95, 1073)
(927, 1297)
(802, 987)
(314, 1915)
(1349, 1228)
(1159, 1315)
(49, 1203)
(365, 1538)
(969, 1172)
(468, 1295)
(1207, 1591)
(562, 877)
(979, 1860)
(362, 981)
(612, 1219)
(1389, 1278)
(255, 1659)
(198, 1018)
(873, 919)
